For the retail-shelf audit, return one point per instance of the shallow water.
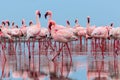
(85, 65)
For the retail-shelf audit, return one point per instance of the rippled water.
(39, 66)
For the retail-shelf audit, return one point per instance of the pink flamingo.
(115, 34)
(81, 32)
(30, 23)
(68, 24)
(89, 28)
(7, 24)
(49, 13)
(61, 35)
(5, 31)
(23, 28)
(69, 27)
(15, 32)
(34, 30)
(13, 25)
(101, 32)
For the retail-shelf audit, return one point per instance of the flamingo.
(34, 30)
(114, 33)
(49, 14)
(68, 24)
(61, 35)
(7, 24)
(89, 28)
(5, 31)
(81, 31)
(101, 32)
(23, 28)
(30, 23)
(13, 25)
(15, 31)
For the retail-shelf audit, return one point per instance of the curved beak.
(39, 14)
(12, 23)
(46, 14)
(3, 23)
(8, 23)
(49, 26)
(76, 21)
(111, 24)
(30, 23)
(88, 19)
(68, 22)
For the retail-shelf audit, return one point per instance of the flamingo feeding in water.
(61, 35)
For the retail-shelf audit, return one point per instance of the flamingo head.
(30, 23)
(112, 32)
(23, 21)
(111, 24)
(16, 26)
(3, 23)
(76, 20)
(51, 24)
(68, 22)
(48, 13)
(38, 13)
(88, 19)
(8, 22)
(13, 23)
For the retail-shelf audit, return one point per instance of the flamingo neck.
(53, 31)
(50, 17)
(37, 21)
(107, 30)
(68, 26)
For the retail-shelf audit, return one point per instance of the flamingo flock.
(59, 33)
(56, 39)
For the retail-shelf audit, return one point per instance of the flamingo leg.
(58, 52)
(50, 44)
(80, 43)
(39, 53)
(28, 44)
(69, 51)
(5, 59)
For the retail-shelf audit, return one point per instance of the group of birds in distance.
(57, 32)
